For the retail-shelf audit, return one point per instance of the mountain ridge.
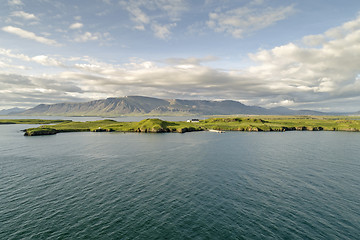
(12, 111)
(140, 105)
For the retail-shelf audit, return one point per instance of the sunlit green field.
(255, 124)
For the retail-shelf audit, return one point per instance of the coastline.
(245, 124)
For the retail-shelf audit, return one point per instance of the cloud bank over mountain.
(317, 71)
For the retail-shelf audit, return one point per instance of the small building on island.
(195, 120)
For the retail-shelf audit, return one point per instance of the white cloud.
(40, 59)
(88, 36)
(241, 21)
(149, 13)
(191, 60)
(7, 66)
(46, 60)
(257, 2)
(292, 75)
(27, 91)
(29, 35)
(162, 31)
(8, 53)
(15, 2)
(140, 27)
(137, 15)
(76, 25)
(314, 40)
(307, 74)
(24, 15)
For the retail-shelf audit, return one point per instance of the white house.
(195, 120)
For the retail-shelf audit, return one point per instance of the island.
(220, 124)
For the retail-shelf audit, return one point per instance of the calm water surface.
(292, 185)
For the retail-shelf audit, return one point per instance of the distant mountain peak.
(142, 105)
(12, 111)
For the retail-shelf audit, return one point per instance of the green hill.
(253, 124)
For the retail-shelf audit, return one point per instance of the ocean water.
(236, 185)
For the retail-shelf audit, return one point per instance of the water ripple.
(180, 186)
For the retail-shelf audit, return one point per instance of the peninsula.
(253, 124)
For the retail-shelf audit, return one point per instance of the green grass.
(258, 123)
(283, 123)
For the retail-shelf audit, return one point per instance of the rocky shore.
(154, 125)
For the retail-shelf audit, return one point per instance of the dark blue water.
(292, 185)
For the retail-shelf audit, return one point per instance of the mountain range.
(12, 111)
(139, 105)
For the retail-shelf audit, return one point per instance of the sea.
(198, 185)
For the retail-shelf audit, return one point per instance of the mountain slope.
(138, 105)
(12, 111)
(109, 106)
(286, 111)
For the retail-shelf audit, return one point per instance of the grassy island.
(253, 124)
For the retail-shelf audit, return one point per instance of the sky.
(300, 54)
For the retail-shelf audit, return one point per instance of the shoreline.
(51, 131)
(218, 125)
(245, 124)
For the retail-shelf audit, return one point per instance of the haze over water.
(292, 185)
